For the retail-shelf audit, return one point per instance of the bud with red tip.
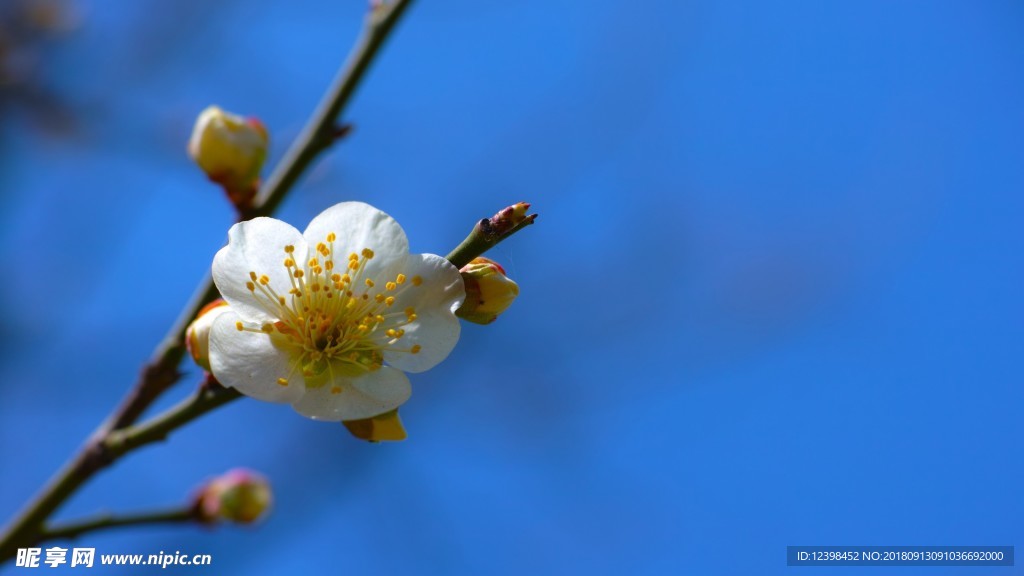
(231, 150)
(510, 218)
(489, 292)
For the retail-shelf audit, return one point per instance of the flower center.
(334, 320)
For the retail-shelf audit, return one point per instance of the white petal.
(358, 226)
(436, 328)
(248, 362)
(256, 246)
(369, 395)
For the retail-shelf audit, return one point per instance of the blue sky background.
(773, 296)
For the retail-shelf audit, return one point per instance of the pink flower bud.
(241, 496)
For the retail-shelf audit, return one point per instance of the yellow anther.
(239, 326)
(252, 276)
(289, 249)
(250, 286)
(329, 264)
(416, 280)
(331, 237)
(416, 349)
(369, 283)
(336, 390)
(367, 253)
(390, 286)
(410, 311)
(411, 318)
(322, 248)
(295, 292)
(353, 256)
(346, 278)
(313, 262)
(288, 262)
(316, 287)
(390, 333)
(379, 319)
(268, 328)
(281, 300)
(282, 381)
(299, 274)
(400, 332)
(379, 298)
(264, 280)
(389, 300)
(363, 328)
(336, 277)
(353, 264)
(400, 279)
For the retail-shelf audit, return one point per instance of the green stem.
(76, 528)
(162, 370)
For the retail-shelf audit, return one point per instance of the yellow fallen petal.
(386, 427)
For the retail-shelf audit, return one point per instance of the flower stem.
(210, 396)
(161, 372)
(76, 528)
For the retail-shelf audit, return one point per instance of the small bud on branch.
(490, 231)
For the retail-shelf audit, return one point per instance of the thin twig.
(76, 528)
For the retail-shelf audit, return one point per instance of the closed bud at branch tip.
(240, 496)
(197, 335)
(489, 292)
(230, 150)
(386, 427)
(509, 218)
